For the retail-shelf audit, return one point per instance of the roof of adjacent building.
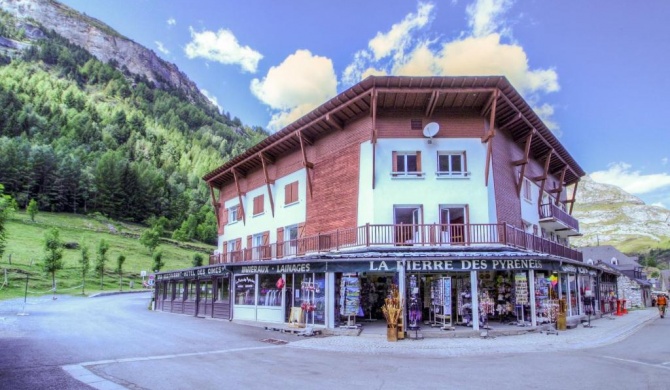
(427, 94)
(606, 253)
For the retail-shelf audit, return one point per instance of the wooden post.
(367, 234)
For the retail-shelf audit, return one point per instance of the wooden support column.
(524, 162)
(239, 196)
(559, 190)
(373, 138)
(487, 138)
(268, 182)
(308, 165)
(432, 102)
(574, 194)
(544, 176)
(216, 204)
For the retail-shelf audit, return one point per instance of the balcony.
(427, 236)
(553, 218)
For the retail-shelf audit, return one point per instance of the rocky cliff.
(609, 215)
(104, 43)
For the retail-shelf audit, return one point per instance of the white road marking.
(82, 374)
(661, 365)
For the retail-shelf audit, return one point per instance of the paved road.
(115, 342)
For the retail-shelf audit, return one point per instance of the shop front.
(437, 292)
(202, 292)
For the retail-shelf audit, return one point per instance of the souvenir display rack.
(350, 300)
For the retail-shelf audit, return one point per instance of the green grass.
(25, 245)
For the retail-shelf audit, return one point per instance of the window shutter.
(248, 250)
(287, 194)
(239, 212)
(294, 191)
(394, 157)
(224, 255)
(418, 161)
(223, 219)
(266, 245)
(280, 242)
(261, 203)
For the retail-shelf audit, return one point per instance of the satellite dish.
(431, 129)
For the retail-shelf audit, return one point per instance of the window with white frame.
(291, 240)
(257, 244)
(234, 214)
(527, 190)
(451, 164)
(406, 164)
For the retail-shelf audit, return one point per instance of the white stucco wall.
(285, 215)
(376, 206)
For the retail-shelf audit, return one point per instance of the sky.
(594, 71)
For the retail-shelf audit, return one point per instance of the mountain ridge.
(609, 215)
(105, 43)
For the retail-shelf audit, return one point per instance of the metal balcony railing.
(434, 235)
(550, 210)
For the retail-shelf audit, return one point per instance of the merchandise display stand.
(351, 300)
(552, 314)
(414, 309)
(445, 297)
(588, 307)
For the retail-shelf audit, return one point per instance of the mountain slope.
(104, 43)
(79, 135)
(609, 215)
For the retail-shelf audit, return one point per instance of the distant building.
(632, 282)
(450, 188)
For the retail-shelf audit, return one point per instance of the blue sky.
(595, 71)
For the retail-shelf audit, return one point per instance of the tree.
(158, 261)
(150, 239)
(7, 206)
(101, 259)
(53, 257)
(85, 266)
(119, 269)
(32, 209)
(198, 260)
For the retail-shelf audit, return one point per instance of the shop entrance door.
(204, 308)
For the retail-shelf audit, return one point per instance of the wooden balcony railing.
(550, 210)
(434, 235)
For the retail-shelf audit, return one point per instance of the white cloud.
(664, 161)
(485, 16)
(480, 51)
(162, 48)
(545, 112)
(171, 22)
(621, 175)
(297, 85)
(659, 204)
(222, 46)
(211, 98)
(399, 36)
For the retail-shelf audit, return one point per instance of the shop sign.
(244, 283)
(169, 275)
(218, 270)
(569, 268)
(365, 266)
(474, 265)
(521, 288)
(583, 270)
(296, 268)
(188, 273)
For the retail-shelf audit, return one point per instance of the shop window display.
(245, 290)
(546, 297)
(269, 294)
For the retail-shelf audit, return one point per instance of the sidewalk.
(604, 331)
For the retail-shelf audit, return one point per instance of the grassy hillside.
(26, 248)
